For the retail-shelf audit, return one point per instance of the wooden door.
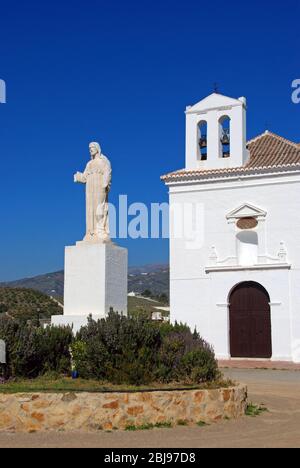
(250, 322)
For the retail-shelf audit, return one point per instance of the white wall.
(200, 298)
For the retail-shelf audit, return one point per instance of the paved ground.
(258, 364)
(280, 427)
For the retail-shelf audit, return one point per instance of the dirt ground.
(279, 427)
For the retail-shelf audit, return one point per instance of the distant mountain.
(51, 284)
(155, 278)
(152, 277)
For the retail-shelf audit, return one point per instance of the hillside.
(152, 277)
(51, 284)
(27, 304)
(136, 305)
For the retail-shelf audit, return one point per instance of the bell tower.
(216, 133)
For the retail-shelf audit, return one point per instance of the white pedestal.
(73, 321)
(95, 282)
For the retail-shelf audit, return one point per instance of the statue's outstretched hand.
(78, 177)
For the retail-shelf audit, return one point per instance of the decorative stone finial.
(282, 254)
(213, 256)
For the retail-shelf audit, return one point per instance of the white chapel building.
(241, 287)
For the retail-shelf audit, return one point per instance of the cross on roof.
(216, 88)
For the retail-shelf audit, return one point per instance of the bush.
(33, 351)
(199, 365)
(137, 351)
(117, 349)
(184, 356)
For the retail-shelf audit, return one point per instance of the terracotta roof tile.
(270, 149)
(267, 151)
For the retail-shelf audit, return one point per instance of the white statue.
(97, 177)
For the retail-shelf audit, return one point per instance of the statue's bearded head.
(94, 149)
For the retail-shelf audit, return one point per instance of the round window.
(247, 223)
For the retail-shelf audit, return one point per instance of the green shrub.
(118, 349)
(79, 354)
(166, 328)
(199, 365)
(184, 356)
(33, 351)
(137, 351)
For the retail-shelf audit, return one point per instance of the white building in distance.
(241, 286)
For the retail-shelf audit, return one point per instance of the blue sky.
(122, 73)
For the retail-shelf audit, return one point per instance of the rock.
(38, 416)
(135, 410)
(112, 405)
(226, 394)
(68, 397)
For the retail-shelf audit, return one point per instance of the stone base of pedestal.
(95, 282)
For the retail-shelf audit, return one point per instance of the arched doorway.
(250, 321)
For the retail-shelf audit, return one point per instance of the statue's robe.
(97, 177)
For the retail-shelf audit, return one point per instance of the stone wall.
(32, 412)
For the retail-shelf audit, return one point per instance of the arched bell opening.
(202, 140)
(225, 136)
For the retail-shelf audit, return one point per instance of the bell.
(203, 142)
(225, 140)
